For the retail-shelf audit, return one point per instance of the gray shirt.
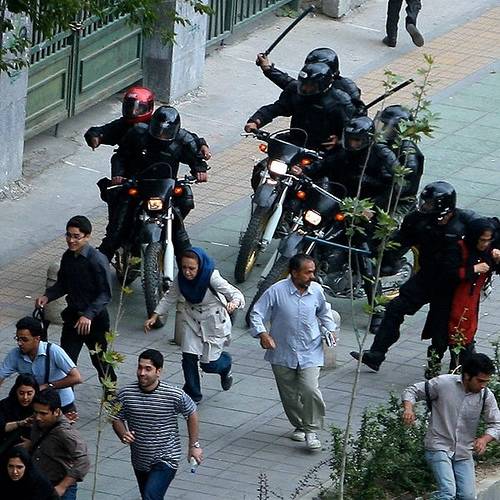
(455, 414)
(295, 323)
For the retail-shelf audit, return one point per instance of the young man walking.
(84, 278)
(147, 421)
(56, 446)
(296, 307)
(457, 403)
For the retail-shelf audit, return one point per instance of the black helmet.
(437, 199)
(360, 130)
(165, 123)
(387, 121)
(324, 55)
(314, 79)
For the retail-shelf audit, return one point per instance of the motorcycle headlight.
(155, 204)
(277, 167)
(312, 217)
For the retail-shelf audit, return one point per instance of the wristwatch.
(51, 385)
(196, 445)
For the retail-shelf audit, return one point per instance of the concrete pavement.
(243, 431)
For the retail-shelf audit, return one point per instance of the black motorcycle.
(148, 250)
(273, 203)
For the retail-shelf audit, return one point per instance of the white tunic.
(205, 327)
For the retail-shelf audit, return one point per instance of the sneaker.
(390, 42)
(226, 382)
(312, 441)
(415, 35)
(298, 435)
(368, 360)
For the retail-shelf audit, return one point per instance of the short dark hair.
(32, 325)
(49, 397)
(477, 363)
(296, 262)
(24, 379)
(21, 453)
(156, 357)
(189, 254)
(81, 222)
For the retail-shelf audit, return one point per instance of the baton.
(290, 28)
(390, 92)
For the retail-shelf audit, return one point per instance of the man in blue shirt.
(31, 357)
(296, 307)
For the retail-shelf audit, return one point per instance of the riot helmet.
(437, 199)
(137, 105)
(314, 79)
(326, 56)
(387, 121)
(358, 133)
(165, 123)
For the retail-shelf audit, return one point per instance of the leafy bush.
(386, 458)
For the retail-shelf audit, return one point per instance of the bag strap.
(218, 295)
(38, 442)
(428, 400)
(47, 364)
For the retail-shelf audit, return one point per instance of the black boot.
(371, 359)
(415, 35)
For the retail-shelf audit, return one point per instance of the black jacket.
(139, 150)
(282, 80)
(346, 167)
(436, 244)
(113, 132)
(410, 157)
(320, 116)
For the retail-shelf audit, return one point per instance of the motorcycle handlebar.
(314, 186)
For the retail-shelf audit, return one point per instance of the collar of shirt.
(84, 252)
(42, 351)
(293, 289)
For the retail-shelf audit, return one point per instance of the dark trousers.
(153, 484)
(192, 387)
(393, 9)
(413, 295)
(72, 343)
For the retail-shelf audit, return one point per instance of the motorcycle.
(320, 231)
(148, 250)
(272, 204)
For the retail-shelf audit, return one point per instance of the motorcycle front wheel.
(278, 272)
(250, 244)
(152, 279)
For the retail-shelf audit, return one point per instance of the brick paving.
(243, 431)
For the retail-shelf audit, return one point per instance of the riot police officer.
(164, 142)
(388, 132)
(137, 107)
(319, 55)
(434, 228)
(317, 108)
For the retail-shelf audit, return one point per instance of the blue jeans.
(455, 479)
(153, 484)
(192, 387)
(70, 493)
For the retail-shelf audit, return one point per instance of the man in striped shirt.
(147, 421)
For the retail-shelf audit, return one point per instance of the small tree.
(47, 16)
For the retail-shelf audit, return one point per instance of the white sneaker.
(298, 435)
(312, 441)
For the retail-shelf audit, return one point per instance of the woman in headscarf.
(206, 301)
(16, 411)
(21, 480)
(478, 261)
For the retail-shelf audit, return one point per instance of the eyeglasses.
(76, 237)
(21, 339)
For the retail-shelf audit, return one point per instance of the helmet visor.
(309, 88)
(132, 108)
(163, 131)
(428, 206)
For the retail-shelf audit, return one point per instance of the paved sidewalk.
(243, 431)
